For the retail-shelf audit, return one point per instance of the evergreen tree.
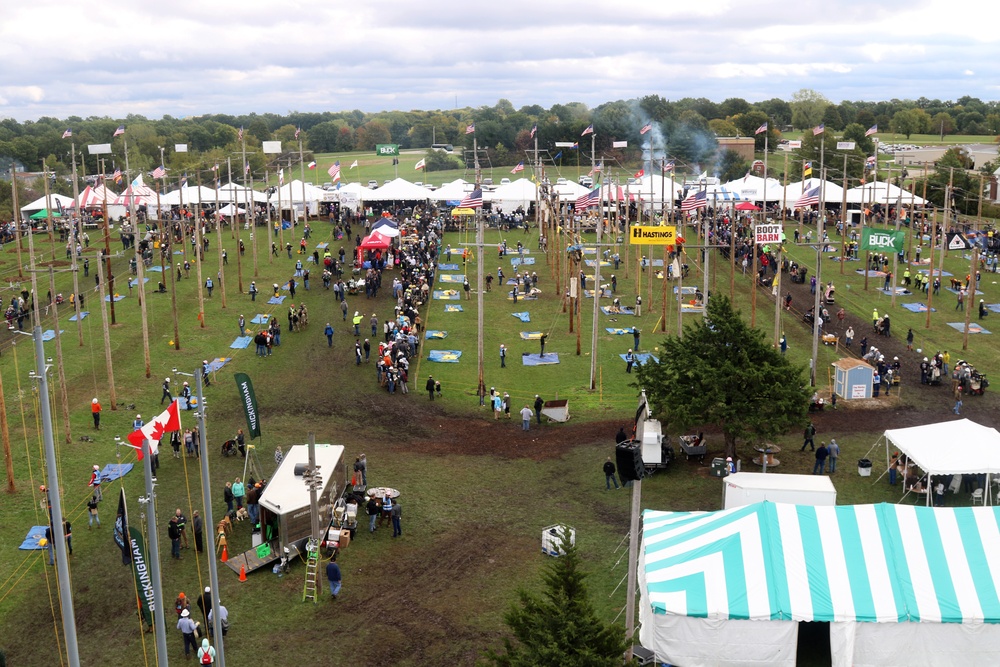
(560, 627)
(723, 372)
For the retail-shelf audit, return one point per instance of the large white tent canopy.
(398, 190)
(957, 447)
(831, 192)
(42, 203)
(290, 193)
(453, 191)
(191, 194)
(755, 188)
(880, 192)
(521, 192)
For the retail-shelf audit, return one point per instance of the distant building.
(742, 146)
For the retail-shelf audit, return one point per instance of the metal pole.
(154, 557)
(481, 385)
(79, 239)
(597, 296)
(819, 282)
(59, 359)
(206, 493)
(52, 477)
(633, 564)
(17, 219)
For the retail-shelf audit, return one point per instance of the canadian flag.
(167, 421)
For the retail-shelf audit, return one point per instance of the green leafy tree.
(942, 123)
(748, 124)
(732, 166)
(440, 161)
(856, 132)
(560, 627)
(723, 128)
(723, 372)
(808, 107)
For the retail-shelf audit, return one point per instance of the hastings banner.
(878, 240)
(249, 401)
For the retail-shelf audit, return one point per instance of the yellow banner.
(653, 235)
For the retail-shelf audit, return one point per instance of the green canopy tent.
(44, 213)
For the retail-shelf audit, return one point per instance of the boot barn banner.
(878, 240)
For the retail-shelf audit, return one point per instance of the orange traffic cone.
(243, 572)
(225, 553)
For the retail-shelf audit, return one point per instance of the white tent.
(292, 192)
(640, 189)
(453, 191)
(399, 190)
(832, 193)
(229, 210)
(570, 191)
(191, 194)
(40, 203)
(754, 188)
(897, 584)
(880, 192)
(521, 192)
(233, 192)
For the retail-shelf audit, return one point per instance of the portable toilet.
(852, 378)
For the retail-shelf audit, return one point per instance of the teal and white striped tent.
(881, 574)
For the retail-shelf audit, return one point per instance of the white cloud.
(188, 57)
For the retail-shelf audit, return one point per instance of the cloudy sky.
(182, 57)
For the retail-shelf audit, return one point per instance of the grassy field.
(472, 518)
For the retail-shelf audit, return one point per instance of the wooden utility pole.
(932, 272)
(197, 263)
(970, 299)
(5, 435)
(63, 393)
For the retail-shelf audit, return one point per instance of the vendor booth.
(897, 584)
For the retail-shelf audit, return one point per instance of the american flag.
(807, 169)
(870, 162)
(246, 166)
(762, 128)
(117, 176)
(334, 171)
(871, 130)
(592, 198)
(518, 168)
(67, 134)
(281, 176)
(668, 166)
(472, 200)
(808, 198)
(589, 130)
(239, 134)
(597, 167)
(119, 131)
(534, 129)
(819, 129)
(297, 131)
(469, 129)
(695, 200)
(216, 167)
(646, 128)
(159, 172)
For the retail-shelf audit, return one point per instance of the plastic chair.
(978, 497)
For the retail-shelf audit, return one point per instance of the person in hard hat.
(137, 423)
(357, 323)
(95, 412)
(166, 392)
(205, 372)
(95, 481)
(187, 627)
(730, 466)
(982, 309)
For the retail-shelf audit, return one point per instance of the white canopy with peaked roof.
(41, 204)
(754, 188)
(832, 193)
(399, 190)
(880, 192)
(521, 192)
(292, 192)
(455, 190)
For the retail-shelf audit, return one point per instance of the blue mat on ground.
(593, 262)
(117, 298)
(260, 319)
(871, 274)
(132, 282)
(182, 403)
(589, 293)
(657, 262)
(524, 317)
(973, 327)
(178, 252)
(513, 281)
(642, 357)
(218, 363)
(946, 274)
(155, 269)
(531, 335)
(113, 471)
(918, 307)
(901, 291)
(276, 299)
(692, 308)
(617, 331)
(310, 260)
(538, 360)
(445, 356)
(33, 539)
(436, 334)
(242, 342)
(83, 314)
(451, 278)
(447, 295)
(521, 297)
(687, 290)
(448, 267)
(49, 334)
(993, 307)
(299, 272)
(322, 246)
(624, 311)
(955, 291)
(452, 308)
(514, 261)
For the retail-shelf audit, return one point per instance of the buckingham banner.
(143, 580)
(249, 401)
(881, 241)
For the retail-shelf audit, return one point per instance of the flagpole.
(281, 178)
(481, 388)
(302, 175)
(218, 236)
(159, 621)
(198, 253)
(170, 268)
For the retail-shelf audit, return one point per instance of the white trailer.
(745, 488)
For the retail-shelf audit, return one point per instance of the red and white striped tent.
(137, 193)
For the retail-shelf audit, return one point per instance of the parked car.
(586, 181)
(504, 181)
(373, 184)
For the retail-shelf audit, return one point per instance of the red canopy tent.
(747, 206)
(374, 241)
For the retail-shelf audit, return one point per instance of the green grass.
(472, 523)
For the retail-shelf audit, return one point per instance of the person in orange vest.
(95, 411)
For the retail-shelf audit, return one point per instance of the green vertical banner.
(249, 401)
(881, 241)
(143, 581)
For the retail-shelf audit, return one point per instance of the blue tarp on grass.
(218, 363)
(625, 310)
(902, 291)
(260, 319)
(436, 334)
(945, 274)
(617, 331)
(452, 308)
(538, 360)
(155, 269)
(83, 314)
(918, 307)
(117, 298)
(49, 334)
(531, 335)
(276, 299)
(973, 328)
(448, 267)
(955, 291)
(514, 261)
(993, 307)
(641, 357)
(445, 356)
(524, 317)
(242, 342)
(133, 282)
(113, 471)
(33, 539)
(447, 295)
(451, 278)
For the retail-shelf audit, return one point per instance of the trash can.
(865, 467)
(719, 467)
